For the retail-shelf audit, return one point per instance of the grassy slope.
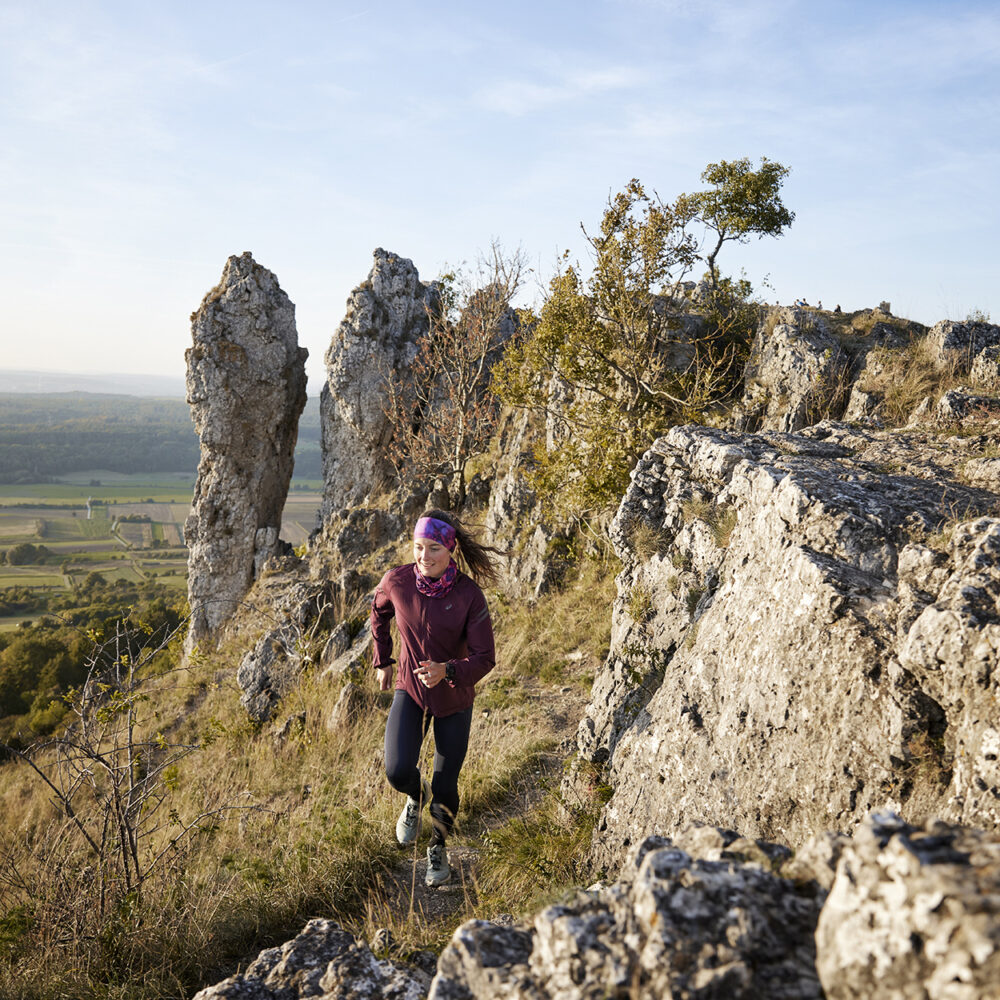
(312, 834)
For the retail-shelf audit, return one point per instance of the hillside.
(748, 699)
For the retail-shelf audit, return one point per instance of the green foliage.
(640, 603)
(26, 554)
(618, 358)
(741, 202)
(39, 664)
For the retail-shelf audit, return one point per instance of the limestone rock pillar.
(246, 386)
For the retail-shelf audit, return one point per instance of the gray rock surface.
(985, 370)
(267, 672)
(795, 373)
(962, 342)
(787, 637)
(536, 554)
(286, 614)
(957, 405)
(672, 926)
(323, 962)
(913, 913)
(387, 316)
(246, 386)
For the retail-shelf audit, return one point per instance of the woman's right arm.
(381, 615)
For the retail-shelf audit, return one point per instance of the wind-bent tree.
(441, 409)
(742, 202)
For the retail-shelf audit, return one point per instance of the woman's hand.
(430, 674)
(385, 676)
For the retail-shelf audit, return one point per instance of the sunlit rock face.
(386, 318)
(802, 634)
(246, 385)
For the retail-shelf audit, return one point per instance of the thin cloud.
(523, 97)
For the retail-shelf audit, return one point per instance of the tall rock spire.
(246, 385)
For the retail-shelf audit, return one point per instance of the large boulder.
(796, 373)
(792, 619)
(246, 385)
(913, 912)
(386, 318)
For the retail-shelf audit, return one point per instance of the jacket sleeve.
(381, 615)
(481, 656)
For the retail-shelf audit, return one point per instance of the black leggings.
(404, 734)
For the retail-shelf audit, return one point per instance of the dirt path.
(452, 903)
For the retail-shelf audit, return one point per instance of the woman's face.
(431, 557)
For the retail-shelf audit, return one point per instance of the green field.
(80, 542)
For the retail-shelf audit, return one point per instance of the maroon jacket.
(454, 627)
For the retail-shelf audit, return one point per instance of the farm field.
(123, 527)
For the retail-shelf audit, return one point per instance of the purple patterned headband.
(438, 531)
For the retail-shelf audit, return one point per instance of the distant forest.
(46, 435)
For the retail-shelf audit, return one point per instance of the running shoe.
(438, 871)
(408, 824)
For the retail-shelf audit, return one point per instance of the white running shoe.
(438, 870)
(408, 824)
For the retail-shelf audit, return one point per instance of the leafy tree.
(618, 357)
(742, 202)
(24, 554)
(441, 410)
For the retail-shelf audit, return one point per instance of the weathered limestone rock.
(913, 913)
(672, 927)
(291, 612)
(960, 404)
(246, 386)
(985, 370)
(962, 341)
(267, 672)
(323, 962)
(797, 372)
(387, 316)
(349, 706)
(353, 661)
(787, 639)
(536, 551)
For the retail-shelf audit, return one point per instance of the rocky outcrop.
(794, 374)
(672, 926)
(985, 370)
(789, 636)
(537, 553)
(913, 913)
(896, 911)
(387, 316)
(961, 342)
(323, 962)
(293, 614)
(246, 386)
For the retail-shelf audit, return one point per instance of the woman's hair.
(473, 553)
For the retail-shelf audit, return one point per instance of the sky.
(146, 141)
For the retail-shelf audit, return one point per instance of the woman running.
(446, 640)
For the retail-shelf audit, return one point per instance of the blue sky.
(145, 142)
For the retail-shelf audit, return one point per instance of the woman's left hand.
(430, 674)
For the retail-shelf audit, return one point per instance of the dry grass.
(908, 376)
(312, 834)
(720, 518)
